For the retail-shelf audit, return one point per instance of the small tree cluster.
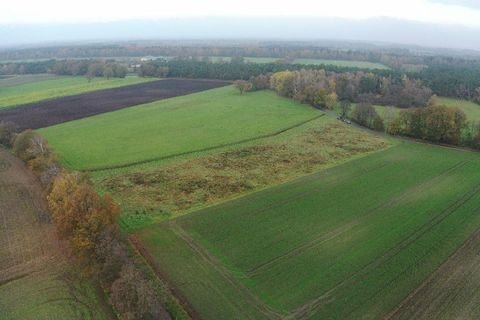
(314, 87)
(366, 115)
(260, 82)
(133, 296)
(106, 70)
(151, 69)
(79, 213)
(90, 68)
(434, 123)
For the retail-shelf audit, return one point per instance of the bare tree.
(345, 107)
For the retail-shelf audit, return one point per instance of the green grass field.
(174, 126)
(348, 242)
(27, 91)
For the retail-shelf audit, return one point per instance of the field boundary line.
(356, 221)
(307, 309)
(135, 163)
(148, 259)
(224, 272)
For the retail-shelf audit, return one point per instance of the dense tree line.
(86, 222)
(322, 89)
(421, 118)
(454, 80)
(88, 68)
(433, 123)
(250, 49)
(235, 70)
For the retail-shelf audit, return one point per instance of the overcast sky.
(456, 12)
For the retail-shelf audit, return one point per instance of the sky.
(447, 12)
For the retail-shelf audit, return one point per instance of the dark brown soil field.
(50, 112)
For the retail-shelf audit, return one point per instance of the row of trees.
(435, 123)
(88, 68)
(233, 70)
(279, 50)
(86, 222)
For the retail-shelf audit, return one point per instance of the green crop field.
(47, 88)
(173, 127)
(348, 242)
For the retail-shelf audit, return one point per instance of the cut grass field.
(47, 88)
(172, 127)
(328, 62)
(349, 242)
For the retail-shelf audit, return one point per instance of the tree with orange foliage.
(79, 213)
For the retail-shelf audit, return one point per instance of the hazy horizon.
(430, 23)
(377, 30)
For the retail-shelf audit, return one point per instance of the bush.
(134, 297)
(34, 150)
(7, 133)
(243, 86)
(366, 115)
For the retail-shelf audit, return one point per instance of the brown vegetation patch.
(198, 182)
